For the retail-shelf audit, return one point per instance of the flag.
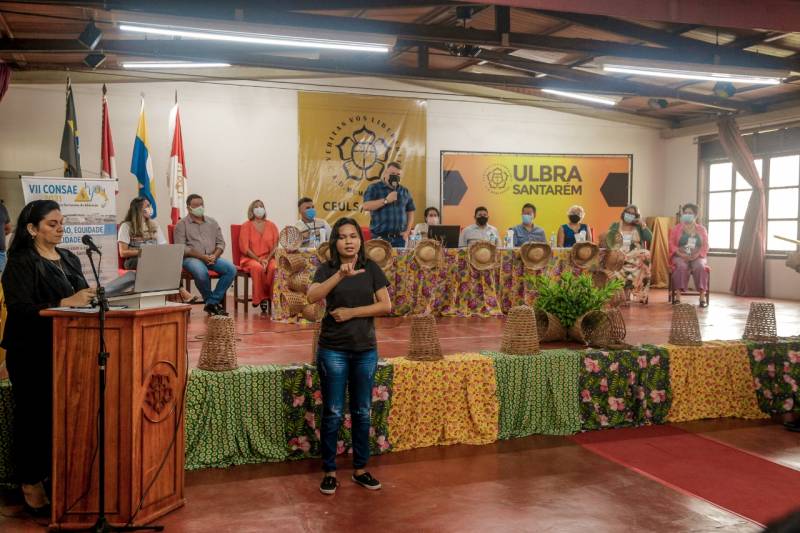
(176, 174)
(141, 164)
(108, 166)
(70, 152)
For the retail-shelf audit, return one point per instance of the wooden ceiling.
(512, 52)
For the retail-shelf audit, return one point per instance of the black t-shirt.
(357, 334)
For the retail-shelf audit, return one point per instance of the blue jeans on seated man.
(199, 271)
(337, 372)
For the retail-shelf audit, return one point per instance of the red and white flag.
(176, 174)
(108, 166)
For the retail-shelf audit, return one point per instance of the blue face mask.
(527, 219)
(311, 213)
(687, 218)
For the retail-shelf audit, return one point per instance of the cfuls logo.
(497, 179)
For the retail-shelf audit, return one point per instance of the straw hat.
(292, 263)
(520, 334)
(614, 260)
(219, 347)
(428, 254)
(379, 251)
(291, 238)
(293, 302)
(423, 344)
(535, 255)
(583, 253)
(298, 282)
(482, 255)
(324, 252)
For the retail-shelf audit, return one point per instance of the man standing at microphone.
(391, 207)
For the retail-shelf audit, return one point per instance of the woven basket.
(599, 278)
(592, 329)
(290, 238)
(292, 263)
(614, 260)
(218, 353)
(293, 302)
(315, 342)
(520, 335)
(616, 330)
(685, 329)
(423, 344)
(298, 282)
(761, 324)
(549, 327)
(314, 312)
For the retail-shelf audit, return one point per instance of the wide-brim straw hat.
(535, 255)
(482, 255)
(298, 282)
(583, 253)
(293, 302)
(423, 343)
(428, 254)
(614, 260)
(379, 251)
(219, 346)
(292, 263)
(290, 238)
(324, 252)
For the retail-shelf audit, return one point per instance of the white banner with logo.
(89, 208)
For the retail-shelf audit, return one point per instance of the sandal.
(192, 300)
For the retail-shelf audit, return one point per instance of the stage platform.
(261, 341)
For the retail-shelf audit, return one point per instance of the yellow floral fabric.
(444, 402)
(711, 381)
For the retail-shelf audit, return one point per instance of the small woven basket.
(520, 335)
(298, 282)
(423, 344)
(292, 263)
(290, 238)
(549, 327)
(293, 302)
(592, 329)
(314, 312)
(685, 329)
(218, 353)
(761, 325)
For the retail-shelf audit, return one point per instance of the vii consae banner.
(346, 141)
(176, 174)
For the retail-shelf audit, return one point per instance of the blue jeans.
(3, 259)
(199, 271)
(337, 372)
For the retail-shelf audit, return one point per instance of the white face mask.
(433, 221)
(259, 212)
(148, 212)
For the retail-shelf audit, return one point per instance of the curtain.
(748, 275)
(5, 78)
(659, 250)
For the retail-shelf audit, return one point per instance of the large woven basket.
(616, 330)
(423, 344)
(592, 329)
(219, 347)
(761, 325)
(599, 278)
(298, 282)
(293, 302)
(290, 238)
(549, 327)
(685, 329)
(520, 335)
(292, 263)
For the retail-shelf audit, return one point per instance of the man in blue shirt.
(527, 231)
(391, 207)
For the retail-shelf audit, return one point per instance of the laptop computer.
(447, 235)
(158, 269)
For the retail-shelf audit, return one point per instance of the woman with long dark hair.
(38, 275)
(355, 291)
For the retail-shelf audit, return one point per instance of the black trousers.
(31, 376)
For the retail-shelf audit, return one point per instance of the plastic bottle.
(510, 239)
(553, 239)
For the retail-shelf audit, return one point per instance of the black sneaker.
(367, 481)
(328, 485)
(221, 310)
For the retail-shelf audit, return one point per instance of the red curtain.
(748, 276)
(5, 78)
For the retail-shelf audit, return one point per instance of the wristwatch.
(385, 201)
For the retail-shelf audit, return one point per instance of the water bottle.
(312, 241)
(510, 239)
(553, 239)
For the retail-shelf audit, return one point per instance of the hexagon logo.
(497, 179)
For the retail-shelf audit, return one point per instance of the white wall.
(241, 141)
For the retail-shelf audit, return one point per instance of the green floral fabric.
(302, 412)
(234, 417)
(625, 387)
(538, 394)
(776, 373)
(6, 423)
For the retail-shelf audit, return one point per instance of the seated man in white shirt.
(480, 231)
(309, 225)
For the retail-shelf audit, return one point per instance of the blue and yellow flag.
(142, 165)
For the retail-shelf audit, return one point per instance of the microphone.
(89, 243)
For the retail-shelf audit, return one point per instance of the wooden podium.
(146, 378)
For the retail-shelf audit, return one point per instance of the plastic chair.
(695, 292)
(366, 233)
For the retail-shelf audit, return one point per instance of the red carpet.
(737, 481)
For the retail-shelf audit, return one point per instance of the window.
(728, 195)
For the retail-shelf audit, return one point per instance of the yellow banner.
(346, 141)
(503, 183)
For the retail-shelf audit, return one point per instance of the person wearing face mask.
(138, 230)
(309, 225)
(688, 248)
(632, 236)
(480, 231)
(258, 242)
(432, 218)
(204, 244)
(527, 231)
(391, 208)
(575, 230)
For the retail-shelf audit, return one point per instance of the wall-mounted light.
(172, 64)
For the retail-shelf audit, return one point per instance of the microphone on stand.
(89, 243)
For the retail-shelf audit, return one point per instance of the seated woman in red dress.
(258, 242)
